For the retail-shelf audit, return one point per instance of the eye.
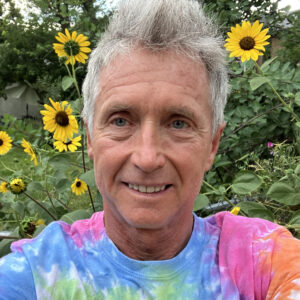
(120, 122)
(179, 124)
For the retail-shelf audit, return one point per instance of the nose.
(148, 155)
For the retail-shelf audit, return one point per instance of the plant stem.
(40, 205)
(21, 231)
(73, 76)
(51, 201)
(84, 169)
(9, 237)
(278, 96)
(49, 196)
(76, 85)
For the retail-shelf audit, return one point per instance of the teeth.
(142, 188)
(146, 189)
(150, 189)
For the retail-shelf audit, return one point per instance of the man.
(154, 98)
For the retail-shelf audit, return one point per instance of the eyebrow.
(172, 110)
(117, 107)
(182, 110)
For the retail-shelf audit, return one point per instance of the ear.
(89, 142)
(214, 146)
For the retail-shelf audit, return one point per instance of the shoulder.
(259, 252)
(243, 228)
(254, 237)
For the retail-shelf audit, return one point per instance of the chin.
(146, 220)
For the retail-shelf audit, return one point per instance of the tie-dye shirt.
(227, 257)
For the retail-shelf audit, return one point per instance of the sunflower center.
(72, 48)
(68, 143)
(1, 142)
(78, 184)
(247, 43)
(62, 119)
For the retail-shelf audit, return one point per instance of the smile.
(147, 189)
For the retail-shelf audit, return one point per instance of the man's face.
(152, 139)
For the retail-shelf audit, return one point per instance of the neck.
(149, 244)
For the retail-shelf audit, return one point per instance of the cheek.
(190, 163)
(108, 159)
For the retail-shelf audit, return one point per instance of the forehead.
(148, 66)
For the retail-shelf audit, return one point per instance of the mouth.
(147, 188)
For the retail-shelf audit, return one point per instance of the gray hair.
(161, 25)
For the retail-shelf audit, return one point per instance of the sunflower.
(60, 120)
(73, 47)
(17, 186)
(247, 40)
(5, 142)
(79, 187)
(28, 149)
(71, 145)
(3, 187)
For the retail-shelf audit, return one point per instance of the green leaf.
(75, 215)
(256, 82)
(76, 106)
(297, 98)
(89, 178)
(262, 213)
(34, 186)
(66, 82)
(59, 160)
(200, 202)
(7, 197)
(296, 218)
(247, 206)
(18, 207)
(266, 63)
(246, 182)
(297, 170)
(63, 184)
(284, 193)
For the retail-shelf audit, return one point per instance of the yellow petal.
(74, 35)
(58, 46)
(68, 34)
(83, 55)
(84, 44)
(81, 38)
(259, 47)
(256, 28)
(60, 39)
(85, 49)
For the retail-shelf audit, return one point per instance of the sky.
(295, 4)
